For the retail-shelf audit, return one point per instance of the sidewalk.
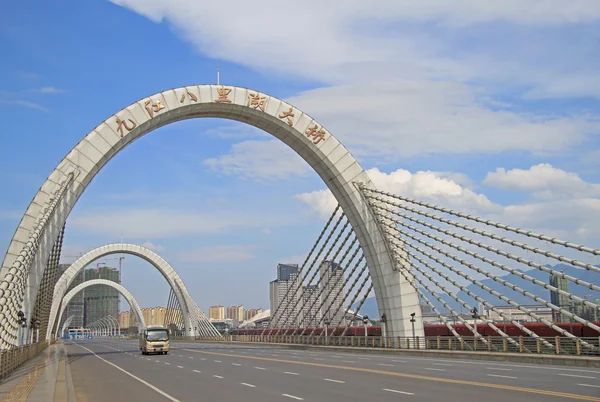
(44, 378)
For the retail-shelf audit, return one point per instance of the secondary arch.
(139, 316)
(167, 271)
(323, 152)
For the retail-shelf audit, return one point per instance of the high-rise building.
(100, 301)
(283, 309)
(154, 315)
(216, 313)
(252, 312)
(75, 307)
(235, 313)
(332, 280)
(558, 299)
(310, 314)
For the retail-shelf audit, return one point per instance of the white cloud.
(412, 118)
(544, 180)
(157, 248)
(260, 160)
(426, 186)
(148, 223)
(24, 103)
(218, 253)
(49, 90)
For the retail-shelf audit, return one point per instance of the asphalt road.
(111, 370)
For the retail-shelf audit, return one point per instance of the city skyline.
(450, 120)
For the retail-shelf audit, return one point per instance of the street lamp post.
(412, 322)
(383, 332)
(326, 322)
(365, 322)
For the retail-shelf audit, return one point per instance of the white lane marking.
(399, 361)
(180, 366)
(578, 376)
(293, 397)
(441, 364)
(217, 361)
(158, 361)
(217, 376)
(338, 381)
(202, 358)
(589, 385)
(316, 358)
(501, 376)
(498, 368)
(290, 373)
(235, 364)
(248, 385)
(167, 363)
(196, 371)
(398, 392)
(387, 365)
(180, 355)
(260, 368)
(347, 361)
(434, 369)
(163, 393)
(191, 357)
(363, 358)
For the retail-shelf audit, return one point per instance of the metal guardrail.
(12, 359)
(522, 344)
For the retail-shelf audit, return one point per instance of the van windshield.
(157, 335)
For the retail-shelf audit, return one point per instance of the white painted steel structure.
(190, 311)
(139, 316)
(28, 251)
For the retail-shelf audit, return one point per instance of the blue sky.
(436, 98)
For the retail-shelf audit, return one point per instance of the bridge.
(433, 272)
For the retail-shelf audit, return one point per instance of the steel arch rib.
(309, 139)
(104, 282)
(154, 259)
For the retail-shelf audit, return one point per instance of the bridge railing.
(548, 345)
(12, 359)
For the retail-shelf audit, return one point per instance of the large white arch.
(323, 152)
(139, 316)
(63, 283)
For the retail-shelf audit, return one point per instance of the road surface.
(115, 370)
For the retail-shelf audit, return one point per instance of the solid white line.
(180, 366)
(434, 369)
(498, 368)
(387, 365)
(289, 372)
(578, 376)
(235, 364)
(398, 392)
(248, 385)
(196, 371)
(260, 368)
(217, 376)
(338, 381)
(169, 397)
(293, 397)
(589, 385)
(501, 376)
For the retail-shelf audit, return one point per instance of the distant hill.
(370, 306)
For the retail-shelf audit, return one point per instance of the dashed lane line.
(578, 376)
(337, 381)
(387, 365)
(217, 376)
(235, 364)
(398, 392)
(414, 376)
(248, 385)
(293, 397)
(498, 368)
(434, 369)
(589, 385)
(180, 366)
(502, 376)
(290, 373)
(196, 371)
(260, 368)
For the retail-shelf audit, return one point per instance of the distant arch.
(154, 259)
(139, 316)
